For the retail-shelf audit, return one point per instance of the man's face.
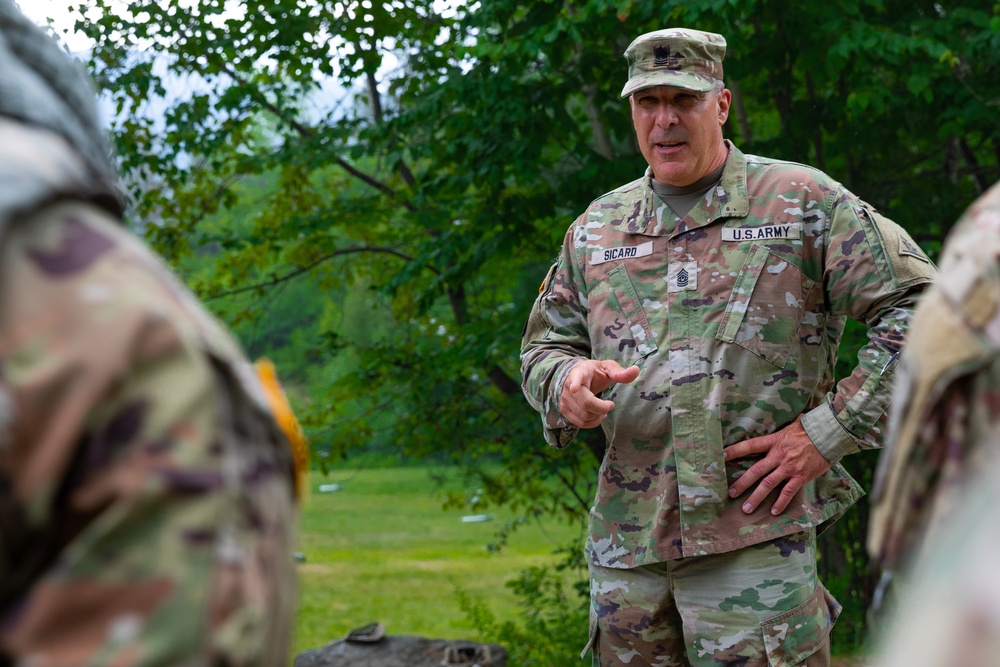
(680, 131)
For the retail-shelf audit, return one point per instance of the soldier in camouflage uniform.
(146, 510)
(695, 315)
(936, 500)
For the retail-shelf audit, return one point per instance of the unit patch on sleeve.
(763, 233)
(623, 252)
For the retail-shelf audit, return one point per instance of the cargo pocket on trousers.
(791, 637)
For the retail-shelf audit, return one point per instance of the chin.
(673, 177)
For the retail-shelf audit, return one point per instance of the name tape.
(624, 252)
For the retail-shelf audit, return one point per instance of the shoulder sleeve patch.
(546, 282)
(908, 263)
(908, 247)
(535, 324)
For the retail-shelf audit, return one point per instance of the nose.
(666, 115)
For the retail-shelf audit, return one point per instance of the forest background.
(369, 193)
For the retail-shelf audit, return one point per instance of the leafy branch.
(277, 280)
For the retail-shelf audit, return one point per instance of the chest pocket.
(618, 326)
(769, 307)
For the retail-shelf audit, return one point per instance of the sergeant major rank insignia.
(682, 276)
(663, 58)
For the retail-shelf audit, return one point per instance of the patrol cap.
(676, 57)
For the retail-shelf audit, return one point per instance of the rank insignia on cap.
(678, 57)
(663, 58)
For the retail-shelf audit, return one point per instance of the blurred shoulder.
(75, 279)
(74, 261)
(970, 267)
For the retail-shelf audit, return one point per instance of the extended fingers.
(792, 487)
(767, 485)
(792, 484)
(754, 473)
(579, 403)
(763, 490)
(623, 375)
(791, 461)
(759, 445)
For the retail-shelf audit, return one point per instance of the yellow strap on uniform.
(283, 414)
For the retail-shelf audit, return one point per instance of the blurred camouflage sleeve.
(937, 487)
(146, 514)
(945, 426)
(874, 274)
(555, 337)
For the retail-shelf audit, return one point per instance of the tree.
(466, 140)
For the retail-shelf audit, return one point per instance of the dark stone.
(404, 651)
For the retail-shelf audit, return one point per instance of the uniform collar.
(729, 199)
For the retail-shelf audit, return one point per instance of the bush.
(553, 628)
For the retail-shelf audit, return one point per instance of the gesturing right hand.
(579, 402)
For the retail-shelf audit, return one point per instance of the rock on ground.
(404, 651)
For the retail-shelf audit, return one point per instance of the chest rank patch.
(682, 277)
(623, 252)
(763, 233)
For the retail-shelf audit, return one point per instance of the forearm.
(853, 417)
(544, 368)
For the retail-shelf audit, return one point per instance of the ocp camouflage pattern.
(146, 512)
(944, 424)
(755, 607)
(735, 325)
(936, 501)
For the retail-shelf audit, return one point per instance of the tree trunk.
(746, 137)
(602, 142)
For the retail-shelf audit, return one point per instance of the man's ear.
(725, 100)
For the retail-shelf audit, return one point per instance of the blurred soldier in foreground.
(937, 494)
(146, 507)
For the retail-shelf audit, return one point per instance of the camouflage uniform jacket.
(146, 514)
(945, 424)
(734, 315)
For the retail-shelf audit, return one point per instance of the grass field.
(381, 548)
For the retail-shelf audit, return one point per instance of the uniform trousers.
(759, 606)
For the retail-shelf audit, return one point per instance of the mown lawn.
(381, 548)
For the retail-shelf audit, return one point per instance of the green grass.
(382, 549)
